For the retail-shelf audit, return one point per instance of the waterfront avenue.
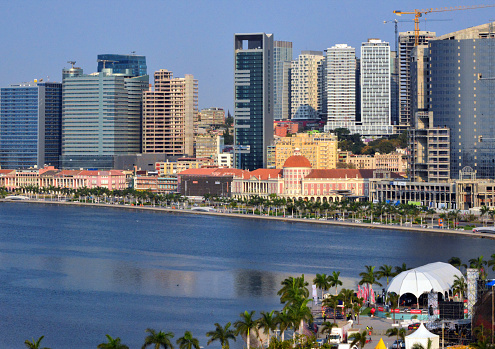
(74, 273)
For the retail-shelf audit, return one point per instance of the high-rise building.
(305, 85)
(341, 86)
(253, 99)
(375, 89)
(406, 44)
(462, 97)
(282, 56)
(101, 117)
(169, 113)
(129, 65)
(30, 125)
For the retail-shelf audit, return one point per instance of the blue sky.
(194, 37)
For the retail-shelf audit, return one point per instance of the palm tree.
(245, 325)
(332, 302)
(334, 280)
(385, 271)
(359, 339)
(267, 322)
(399, 332)
(188, 341)
(284, 321)
(293, 290)
(300, 313)
(484, 210)
(221, 334)
(346, 296)
(478, 263)
(456, 262)
(369, 277)
(491, 262)
(420, 346)
(327, 327)
(113, 343)
(400, 268)
(321, 281)
(459, 286)
(35, 344)
(160, 339)
(393, 298)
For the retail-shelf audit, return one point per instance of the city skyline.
(203, 45)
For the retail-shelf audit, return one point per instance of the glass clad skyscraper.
(30, 125)
(253, 99)
(121, 63)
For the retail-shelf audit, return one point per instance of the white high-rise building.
(304, 85)
(341, 86)
(375, 89)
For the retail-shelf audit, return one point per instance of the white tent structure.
(421, 336)
(437, 276)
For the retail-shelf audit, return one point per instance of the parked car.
(413, 326)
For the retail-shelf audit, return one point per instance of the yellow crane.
(418, 13)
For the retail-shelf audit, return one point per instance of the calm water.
(75, 274)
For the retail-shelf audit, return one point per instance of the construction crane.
(419, 13)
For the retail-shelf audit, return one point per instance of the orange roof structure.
(263, 173)
(297, 161)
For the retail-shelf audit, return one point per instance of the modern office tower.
(168, 114)
(101, 117)
(282, 56)
(30, 125)
(253, 99)
(375, 89)
(321, 149)
(462, 97)
(341, 86)
(322, 89)
(209, 117)
(304, 85)
(129, 65)
(406, 44)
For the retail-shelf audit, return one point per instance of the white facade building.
(341, 86)
(375, 89)
(304, 85)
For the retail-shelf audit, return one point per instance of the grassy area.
(366, 311)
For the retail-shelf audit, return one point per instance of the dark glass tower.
(253, 100)
(30, 125)
(120, 64)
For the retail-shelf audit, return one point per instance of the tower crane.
(419, 13)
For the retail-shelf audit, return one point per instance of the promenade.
(251, 216)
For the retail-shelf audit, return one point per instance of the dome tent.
(421, 336)
(438, 277)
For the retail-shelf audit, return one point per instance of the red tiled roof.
(263, 173)
(7, 171)
(297, 161)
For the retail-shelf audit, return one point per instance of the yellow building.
(319, 148)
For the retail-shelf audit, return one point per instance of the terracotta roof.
(263, 173)
(7, 171)
(297, 161)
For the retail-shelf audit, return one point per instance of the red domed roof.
(297, 161)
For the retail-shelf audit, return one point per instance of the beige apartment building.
(208, 145)
(319, 148)
(211, 117)
(394, 162)
(169, 113)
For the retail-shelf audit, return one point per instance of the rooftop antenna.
(105, 61)
(72, 63)
(133, 53)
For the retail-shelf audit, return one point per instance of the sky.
(196, 37)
